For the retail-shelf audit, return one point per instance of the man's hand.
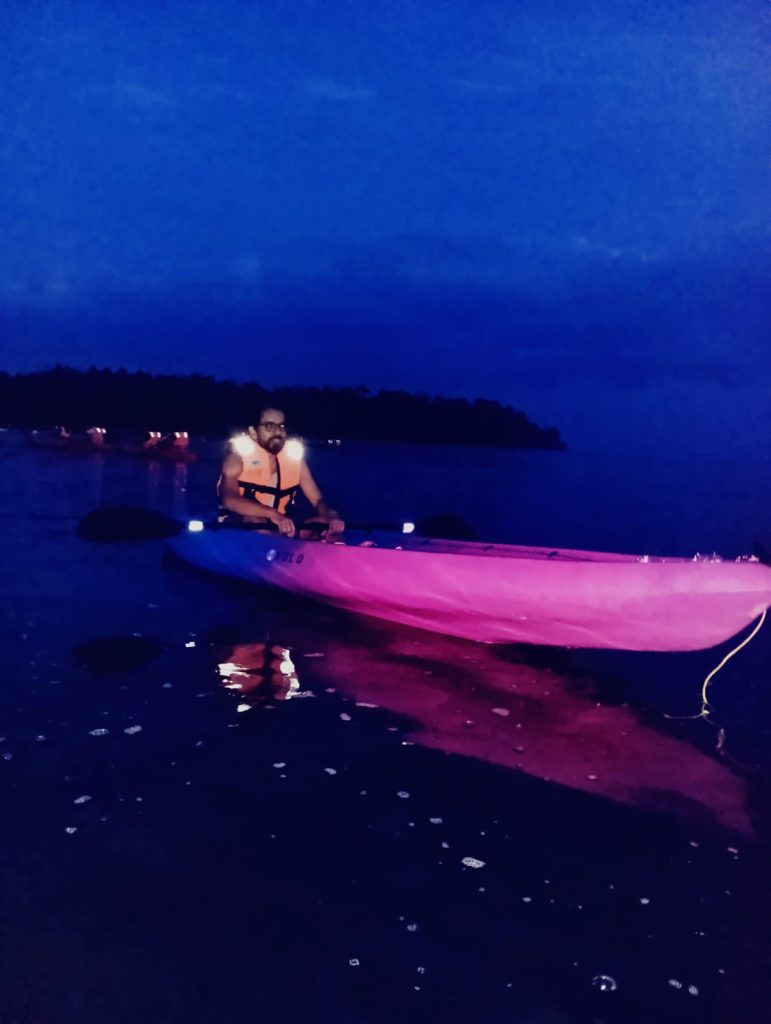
(336, 525)
(284, 524)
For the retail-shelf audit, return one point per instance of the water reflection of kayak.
(501, 593)
(492, 705)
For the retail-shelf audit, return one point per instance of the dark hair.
(264, 408)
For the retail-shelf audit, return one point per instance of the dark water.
(303, 859)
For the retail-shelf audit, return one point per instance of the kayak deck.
(502, 593)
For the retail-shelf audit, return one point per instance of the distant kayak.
(79, 445)
(68, 444)
(154, 453)
(498, 593)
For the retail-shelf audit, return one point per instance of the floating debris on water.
(71, 830)
(364, 704)
(40, 739)
(314, 654)
(279, 764)
(331, 771)
(412, 927)
(592, 778)
(605, 983)
(190, 643)
(503, 712)
(244, 707)
(344, 717)
(98, 732)
(436, 821)
(403, 794)
(8, 757)
(675, 983)
(472, 862)
(354, 962)
(132, 730)
(644, 900)
(82, 799)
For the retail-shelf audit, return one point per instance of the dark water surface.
(177, 849)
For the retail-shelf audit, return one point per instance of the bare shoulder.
(232, 465)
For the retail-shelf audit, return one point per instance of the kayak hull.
(500, 593)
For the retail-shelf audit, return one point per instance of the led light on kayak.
(242, 444)
(294, 449)
(408, 527)
(195, 526)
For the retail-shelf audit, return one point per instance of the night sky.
(563, 204)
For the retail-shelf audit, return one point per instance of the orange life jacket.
(255, 479)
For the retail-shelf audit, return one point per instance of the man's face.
(271, 431)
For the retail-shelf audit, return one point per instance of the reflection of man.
(259, 672)
(261, 476)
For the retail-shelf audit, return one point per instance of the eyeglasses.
(273, 428)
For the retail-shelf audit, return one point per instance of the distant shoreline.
(140, 401)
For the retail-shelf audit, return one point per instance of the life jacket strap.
(277, 493)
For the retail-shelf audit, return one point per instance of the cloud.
(482, 87)
(326, 89)
(137, 95)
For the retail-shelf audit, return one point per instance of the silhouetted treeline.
(120, 400)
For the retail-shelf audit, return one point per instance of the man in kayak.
(260, 478)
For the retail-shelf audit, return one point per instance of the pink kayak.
(498, 593)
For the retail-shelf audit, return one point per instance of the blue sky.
(564, 205)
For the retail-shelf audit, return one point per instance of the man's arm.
(252, 511)
(310, 489)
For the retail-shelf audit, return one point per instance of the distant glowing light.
(242, 444)
(195, 526)
(408, 527)
(294, 449)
